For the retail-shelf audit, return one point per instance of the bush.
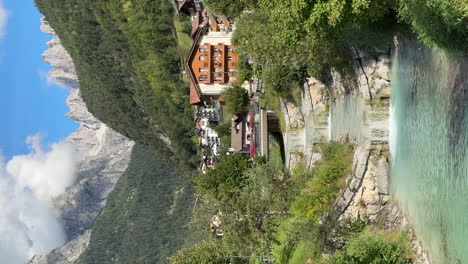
(225, 180)
(207, 252)
(223, 129)
(374, 248)
(441, 23)
(328, 177)
(237, 100)
(244, 69)
(298, 241)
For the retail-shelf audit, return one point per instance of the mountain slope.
(145, 216)
(128, 63)
(105, 155)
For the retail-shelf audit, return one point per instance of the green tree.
(206, 252)
(375, 248)
(237, 99)
(231, 8)
(224, 181)
(128, 61)
(223, 129)
(258, 207)
(442, 23)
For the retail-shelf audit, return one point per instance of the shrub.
(223, 129)
(225, 180)
(321, 191)
(441, 23)
(208, 252)
(375, 248)
(237, 100)
(298, 241)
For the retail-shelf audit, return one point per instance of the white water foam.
(393, 131)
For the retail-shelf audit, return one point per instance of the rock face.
(356, 110)
(67, 254)
(105, 157)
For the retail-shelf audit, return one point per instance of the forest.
(146, 215)
(309, 38)
(128, 56)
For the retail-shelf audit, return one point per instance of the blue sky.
(28, 103)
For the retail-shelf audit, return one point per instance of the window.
(230, 49)
(215, 49)
(216, 78)
(231, 78)
(202, 70)
(215, 58)
(213, 70)
(201, 49)
(230, 58)
(230, 70)
(202, 78)
(202, 58)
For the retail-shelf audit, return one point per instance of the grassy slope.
(142, 222)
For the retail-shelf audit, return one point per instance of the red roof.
(194, 95)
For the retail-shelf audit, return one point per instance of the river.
(429, 145)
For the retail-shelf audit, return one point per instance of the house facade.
(212, 60)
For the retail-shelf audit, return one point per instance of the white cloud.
(49, 80)
(3, 20)
(28, 185)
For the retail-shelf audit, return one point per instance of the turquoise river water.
(429, 145)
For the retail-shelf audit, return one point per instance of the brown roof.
(196, 23)
(195, 95)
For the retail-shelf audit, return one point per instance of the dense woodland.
(146, 215)
(127, 54)
(309, 37)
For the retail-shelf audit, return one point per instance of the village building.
(212, 60)
(211, 68)
(208, 138)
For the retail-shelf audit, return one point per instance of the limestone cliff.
(105, 157)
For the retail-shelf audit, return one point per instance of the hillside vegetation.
(310, 37)
(145, 218)
(128, 59)
(269, 215)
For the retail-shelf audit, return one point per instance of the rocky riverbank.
(356, 111)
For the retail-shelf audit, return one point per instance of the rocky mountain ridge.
(105, 157)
